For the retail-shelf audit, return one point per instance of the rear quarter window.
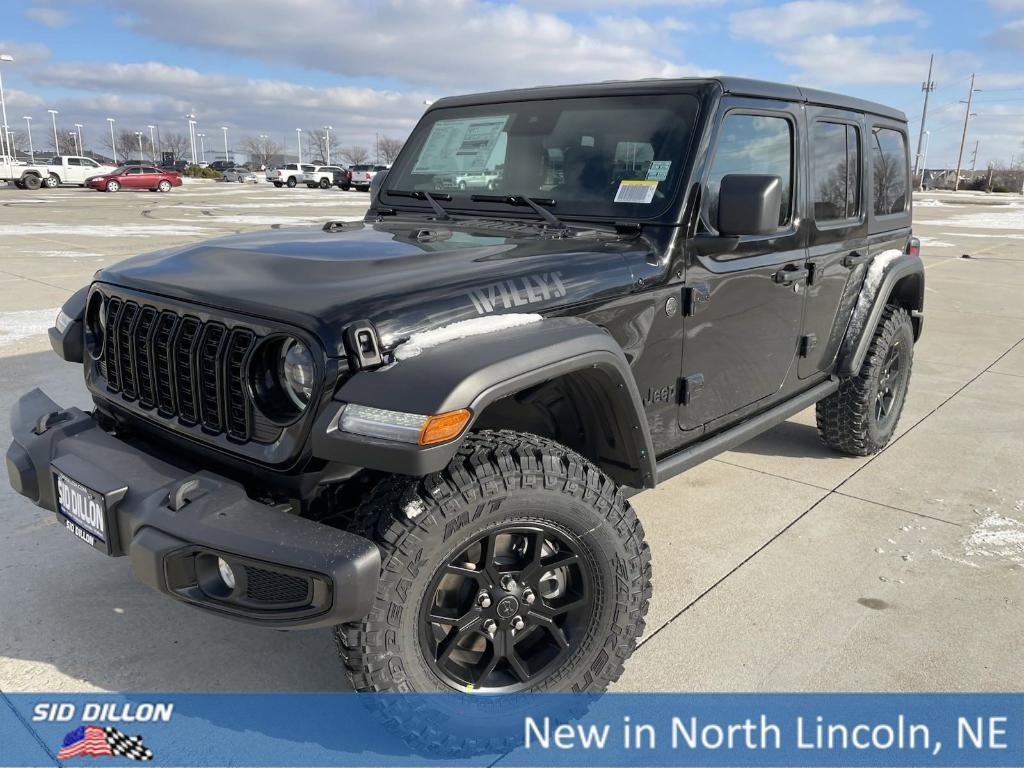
(890, 177)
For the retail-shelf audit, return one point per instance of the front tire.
(291, 182)
(325, 184)
(520, 567)
(113, 186)
(860, 417)
(164, 186)
(52, 181)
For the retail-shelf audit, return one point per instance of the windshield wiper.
(418, 194)
(536, 203)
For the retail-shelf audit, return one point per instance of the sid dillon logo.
(94, 740)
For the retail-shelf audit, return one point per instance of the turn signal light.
(444, 426)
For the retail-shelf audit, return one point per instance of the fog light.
(226, 573)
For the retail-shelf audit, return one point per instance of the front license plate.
(83, 510)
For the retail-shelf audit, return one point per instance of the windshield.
(611, 157)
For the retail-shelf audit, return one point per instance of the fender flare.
(475, 372)
(904, 278)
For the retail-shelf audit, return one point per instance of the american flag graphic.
(99, 741)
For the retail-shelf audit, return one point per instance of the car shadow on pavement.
(790, 439)
(74, 619)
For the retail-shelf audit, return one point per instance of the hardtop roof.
(736, 86)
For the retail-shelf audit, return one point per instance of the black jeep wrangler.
(423, 428)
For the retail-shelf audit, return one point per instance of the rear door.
(744, 307)
(837, 232)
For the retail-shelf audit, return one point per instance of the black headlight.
(282, 375)
(95, 324)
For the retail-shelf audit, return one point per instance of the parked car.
(322, 176)
(221, 165)
(136, 177)
(24, 175)
(289, 174)
(241, 174)
(362, 175)
(72, 169)
(343, 179)
(178, 166)
(424, 429)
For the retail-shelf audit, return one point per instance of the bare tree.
(19, 142)
(177, 144)
(355, 155)
(388, 148)
(316, 140)
(128, 146)
(261, 149)
(67, 141)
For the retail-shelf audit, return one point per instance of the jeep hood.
(402, 276)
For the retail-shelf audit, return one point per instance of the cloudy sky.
(366, 66)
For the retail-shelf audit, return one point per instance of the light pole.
(298, 141)
(5, 148)
(56, 143)
(74, 141)
(202, 145)
(81, 146)
(152, 143)
(328, 128)
(225, 129)
(113, 144)
(263, 149)
(138, 135)
(28, 129)
(192, 135)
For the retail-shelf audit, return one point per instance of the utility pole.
(113, 144)
(963, 136)
(974, 156)
(927, 86)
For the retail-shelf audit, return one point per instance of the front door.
(744, 305)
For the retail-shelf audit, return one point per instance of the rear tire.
(291, 182)
(19, 183)
(32, 182)
(52, 181)
(278, 184)
(164, 186)
(325, 184)
(552, 521)
(860, 417)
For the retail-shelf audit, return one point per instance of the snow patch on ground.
(1005, 217)
(420, 342)
(872, 282)
(98, 230)
(931, 203)
(984, 234)
(258, 219)
(997, 535)
(15, 326)
(63, 254)
(931, 242)
(414, 508)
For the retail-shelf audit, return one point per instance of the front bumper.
(173, 524)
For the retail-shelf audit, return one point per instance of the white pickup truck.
(289, 174)
(24, 175)
(73, 169)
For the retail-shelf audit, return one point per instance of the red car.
(136, 177)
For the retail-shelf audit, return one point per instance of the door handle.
(790, 275)
(855, 258)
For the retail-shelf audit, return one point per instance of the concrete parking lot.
(778, 566)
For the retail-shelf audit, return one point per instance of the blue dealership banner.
(829, 730)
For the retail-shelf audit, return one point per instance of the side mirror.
(749, 205)
(376, 183)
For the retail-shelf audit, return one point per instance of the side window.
(889, 171)
(753, 144)
(74, 161)
(835, 171)
(90, 163)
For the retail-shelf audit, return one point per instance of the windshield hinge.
(363, 345)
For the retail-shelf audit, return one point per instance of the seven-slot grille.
(179, 366)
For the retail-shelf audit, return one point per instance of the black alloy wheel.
(509, 609)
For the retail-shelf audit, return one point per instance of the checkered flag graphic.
(123, 745)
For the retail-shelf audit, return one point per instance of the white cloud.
(1009, 36)
(1007, 6)
(789, 21)
(48, 17)
(828, 59)
(451, 45)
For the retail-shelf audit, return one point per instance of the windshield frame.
(461, 202)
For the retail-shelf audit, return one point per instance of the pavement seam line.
(29, 728)
(771, 474)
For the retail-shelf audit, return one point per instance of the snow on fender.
(869, 291)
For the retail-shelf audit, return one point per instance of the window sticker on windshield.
(636, 191)
(659, 170)
(457, 146)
